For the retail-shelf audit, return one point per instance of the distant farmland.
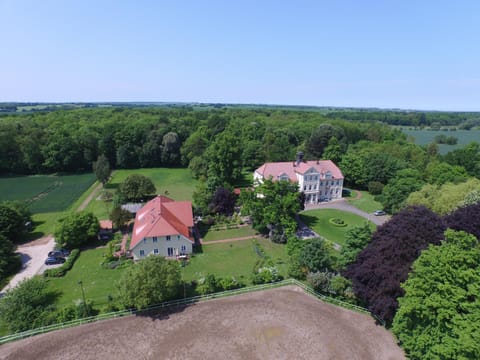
(424, 137)
(45, 193)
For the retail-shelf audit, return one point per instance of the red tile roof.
(106, 224)
(276, 169)
(162, 216)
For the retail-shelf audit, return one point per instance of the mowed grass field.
(176, 183)
(236, 259)
(48, 196)
(424, 137)
(318, 220)
(45, 193)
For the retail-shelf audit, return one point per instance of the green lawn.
(366, 203)
(318, 220)
(173, 182)
(213, 235)
(236, 259)
(97, 282)
(225, 259)
(49, 196)
(176, 183)
(46, 193)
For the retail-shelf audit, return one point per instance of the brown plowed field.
(283, 323)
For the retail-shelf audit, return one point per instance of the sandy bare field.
(283, 323)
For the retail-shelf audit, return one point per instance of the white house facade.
(319, 180)
(163, 227)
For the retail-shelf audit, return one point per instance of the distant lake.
(424, 137)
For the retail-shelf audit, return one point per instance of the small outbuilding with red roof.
(163, 227)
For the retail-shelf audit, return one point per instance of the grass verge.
(319, 221)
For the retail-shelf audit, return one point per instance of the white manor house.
(320, 180)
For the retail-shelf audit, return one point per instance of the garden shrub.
(67, 265)
(375, 187)
(266, 275)
(337, 222)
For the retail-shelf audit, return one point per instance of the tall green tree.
(9, 261)
(395, 193)
(12, 224)
(317, 256)
(101, 167)
(76, 229)
(356, 239)
(320, 137)
(149, 282)
(439, 314)
(273, 205)
(171, 144)
(225, 158)
(27, 305)
(136, 188)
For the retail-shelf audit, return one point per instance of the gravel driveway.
(33, 255)
(343, 205)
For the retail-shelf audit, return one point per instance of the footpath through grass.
(319, 221)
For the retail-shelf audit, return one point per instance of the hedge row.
(67, 265)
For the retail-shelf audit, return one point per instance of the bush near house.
(67, 265)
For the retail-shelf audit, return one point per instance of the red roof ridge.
(156, 218)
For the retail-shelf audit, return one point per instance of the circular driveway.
(344, 205)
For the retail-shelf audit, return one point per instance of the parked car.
(54, 260)
(104, 236)
(379, 213)
(56, 254)
(65, 252)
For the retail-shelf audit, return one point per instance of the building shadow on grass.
(308, 220)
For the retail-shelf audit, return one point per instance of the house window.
(170, 251)
(304, 187)
(315, 187)
(142, 252)
(168, 237)
(155, 251)
(309, 187)
(144, 240)
(155, 239)
(184, 249)
(178, 237)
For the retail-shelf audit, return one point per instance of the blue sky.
(402, 54)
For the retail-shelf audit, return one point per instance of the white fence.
(184, 302)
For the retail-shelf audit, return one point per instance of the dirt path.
(283, 323)
(89, 198)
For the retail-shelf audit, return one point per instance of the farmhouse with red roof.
(163, 227)
(320, 180)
